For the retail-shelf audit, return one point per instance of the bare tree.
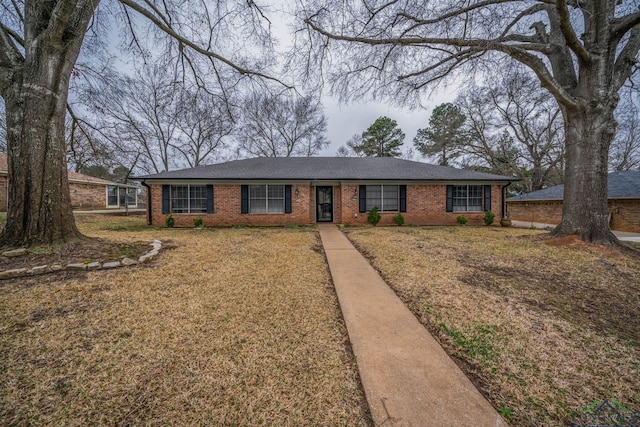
(351, 147)
(581, 51)
(513, 127)
(281, 126)
(3, 129)
(40, 42)
(625, 148)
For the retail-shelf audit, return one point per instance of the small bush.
(398, 219)
(347, 224)
(461, 220)
(413, 224)
(170, 221)
(489, 217)
(198, 223)
(373, 217)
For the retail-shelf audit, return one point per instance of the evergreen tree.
(382, 139)
(444, 136)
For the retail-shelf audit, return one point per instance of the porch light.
(297, 191)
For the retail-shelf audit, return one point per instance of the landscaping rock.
(93, 265)
(111, 264)
(57, 267)
(77, 266)
(145, 257)
(8, 274)
(128, 261)
(41, 269)
(14, 252)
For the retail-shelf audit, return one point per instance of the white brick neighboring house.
(87, 192)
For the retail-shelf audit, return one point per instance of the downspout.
(504, 200)
(149, 207)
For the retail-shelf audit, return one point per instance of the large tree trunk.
(588, 135)
(39, 205)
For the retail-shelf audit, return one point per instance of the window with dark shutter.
(403, 198)
(363, 198)
(287, 199)
(487, 197)
(166, 199)
(244, 199)
(449, 198)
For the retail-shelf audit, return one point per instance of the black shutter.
(363, 198)
(449, 198)
(245, 199)
(403, 198)
(287, 199)
(166, 199)
(209, 198)
(487, 197)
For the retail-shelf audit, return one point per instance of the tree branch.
(620, 26)
(568, 33)
(627, 58)
(185, 41)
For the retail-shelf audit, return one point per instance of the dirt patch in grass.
(543, 328)
(232, 327)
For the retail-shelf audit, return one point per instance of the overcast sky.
(344, 121)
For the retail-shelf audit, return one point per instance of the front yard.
(543, 328)
(226, 327)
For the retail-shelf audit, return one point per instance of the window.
(112, 196)
(188, 198)
(467, 198)
(385, 197)
(266, 199)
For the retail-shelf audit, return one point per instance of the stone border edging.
(53, 268)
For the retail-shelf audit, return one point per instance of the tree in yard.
(40, 42)
(514, 128)
(445, 135)
(281, 126)
(382, 139)
(581, 51)
(163, 121)
(625, 148)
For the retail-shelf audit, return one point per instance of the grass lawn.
(543, 329)
(226, 327)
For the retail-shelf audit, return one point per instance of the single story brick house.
(545, 206)
(307, 190)
(87, 192)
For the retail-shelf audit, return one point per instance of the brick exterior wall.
(227, 209)
(88, 196)
(625, 213)
(3, 193)
(426, 205)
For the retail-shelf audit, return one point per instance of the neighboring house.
(306, 190)
(87, 192)
(545, 206)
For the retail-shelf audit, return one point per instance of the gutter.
(149, 210)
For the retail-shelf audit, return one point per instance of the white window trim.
(188, 199)
(467, 198)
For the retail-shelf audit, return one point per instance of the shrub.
(461, 220)
(198, 223)
(373, 217)
(489, 217)
(398, 219)
(170, 221)
(347, 224)
(413, 224)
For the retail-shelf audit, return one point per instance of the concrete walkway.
(407, 378)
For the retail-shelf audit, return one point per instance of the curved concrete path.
(407, 378)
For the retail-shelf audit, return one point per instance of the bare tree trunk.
(588, 135)
(39, 206)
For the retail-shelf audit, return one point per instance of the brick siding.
(625, 213)
(426, 205)
(3, 193)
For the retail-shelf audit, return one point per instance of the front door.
(324, 204)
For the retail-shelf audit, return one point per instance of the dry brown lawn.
(543, 328)
(226, 327)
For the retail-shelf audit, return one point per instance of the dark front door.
(324, 204)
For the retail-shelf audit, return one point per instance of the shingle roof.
(621, 185)
(327, 168)
(73, 176)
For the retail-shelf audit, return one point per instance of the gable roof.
(73, 176)
(326, 168)
(621, 185)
